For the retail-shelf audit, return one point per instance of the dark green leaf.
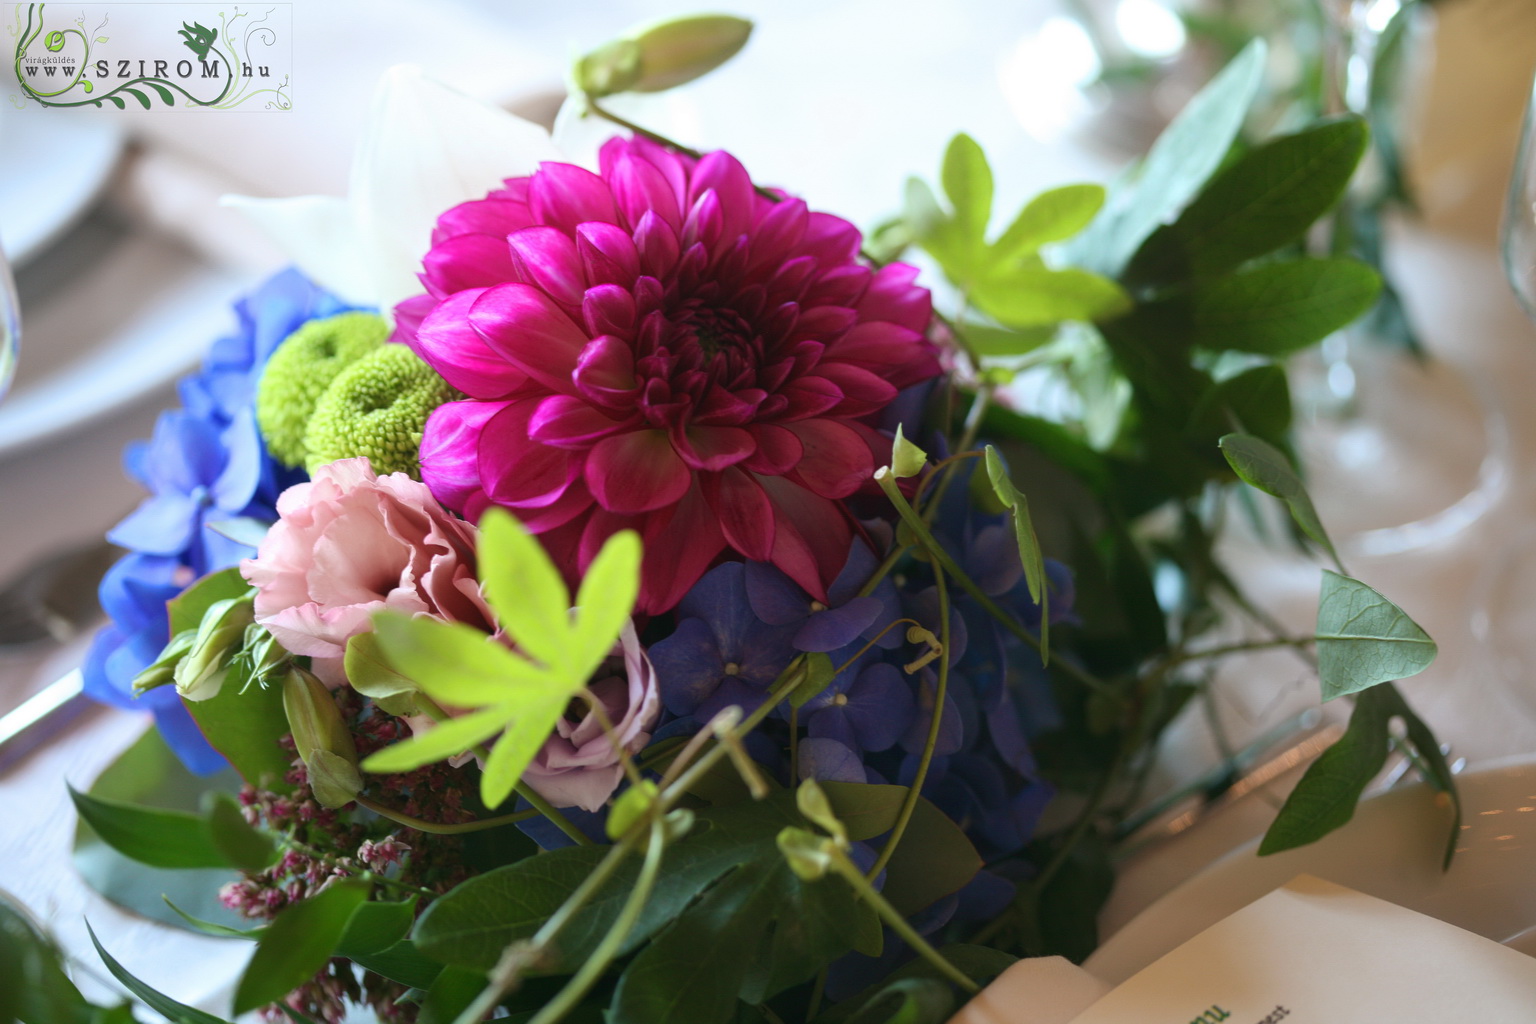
(1067, 911)
(247, 729)
(450, 995)
(401, 962)
(1049, 217)
(934, 859)
(1183, 157)
(1256, 401)
(1279, 308)
(908, 1001)
(1363, 639)
(243, 846)
(163, 839)
(979, 963)
(297, 943)
(1262, 465)
(1326, 796)
(1263, 201)
(210, 928)
(1026, 297)
(694, 969)
(1029, 544)
(153, 998)
(1437, 771)
(814, 923)
(866, 811)
(33, 985)
(376, 926)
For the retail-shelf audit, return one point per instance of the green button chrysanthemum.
(299, 372)
(377, 407)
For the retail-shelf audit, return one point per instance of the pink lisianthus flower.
(578, 766)
(349, 543)
(659, 346)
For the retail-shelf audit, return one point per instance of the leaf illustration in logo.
(198, 39)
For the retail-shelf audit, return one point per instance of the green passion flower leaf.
(1364, 639)
(150, 835)
(1184, 156)
(523, 586)
(1326, 796)
(447, 739)
(456, 663)
(1052, 216)
(1029, 544)
(967, 181)
(1264, 200)
(604, 602)
(298, 943)
(1030, 296)
(518, 745)
(1260, 464)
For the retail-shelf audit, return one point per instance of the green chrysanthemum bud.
(298, 373)
(377, 407)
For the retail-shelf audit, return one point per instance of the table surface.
(848, 80)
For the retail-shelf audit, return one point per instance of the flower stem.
(942, 560)
(438, 828)
(915, 791)
(892, 917)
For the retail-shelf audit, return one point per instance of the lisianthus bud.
(321, 738)
(163, 671)
(264, 656)
(662, 56)
(200, 674)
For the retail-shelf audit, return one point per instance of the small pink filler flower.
(662, 347)
(350, 542)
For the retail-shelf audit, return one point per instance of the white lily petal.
(426, 149)
(321, 237)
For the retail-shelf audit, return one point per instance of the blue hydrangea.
(205, 463)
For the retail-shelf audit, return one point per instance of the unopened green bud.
(163, 671)
(632, 805)
(321, 738)
(200, 675)
(812, 801)
(907, 459)
(264, 656)
(663, 55)
(809, 855)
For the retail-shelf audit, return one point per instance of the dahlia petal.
(811, 534)
(639, 187)
(809, 396)
(496, 217)
(657, 244)
(825, 323)
(779, 231)
(516, 472)
(721, 173)
(831, 239)
(863, 392)
(894, 295)
(836, 461)
(673, 166)
(448, 344)
(703, 224)
(608, 253)
(564, 195)
(608, 309)
(605, 374)
(466, 261)
(789, 280)
(567, 422)
(636, 472)
(564, 509)
(713, 448)
(547, 259)
(408, 317)
(746, 514)
(450, 450)
(720, 407)
(525, 326)
(839, 286)
(679, 547)
(778, 450)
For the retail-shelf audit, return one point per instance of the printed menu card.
(1313, 952)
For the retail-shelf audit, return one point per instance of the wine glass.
(10, 325)
(1402, 452)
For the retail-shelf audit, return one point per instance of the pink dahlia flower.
(350, 542)
(660, 346)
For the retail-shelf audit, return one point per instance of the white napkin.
(1042, 990)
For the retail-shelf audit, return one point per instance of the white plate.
(53, 164)
(1392, 850)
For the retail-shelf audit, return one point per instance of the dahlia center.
(716, 331)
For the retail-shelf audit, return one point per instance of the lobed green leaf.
(456, 663)
(967, 181)
(519, 744)
(524, 588)
(604, 602)
(442, 741)
(1027, 296)
(1052, 216)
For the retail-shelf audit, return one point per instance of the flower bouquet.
(596, 586)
